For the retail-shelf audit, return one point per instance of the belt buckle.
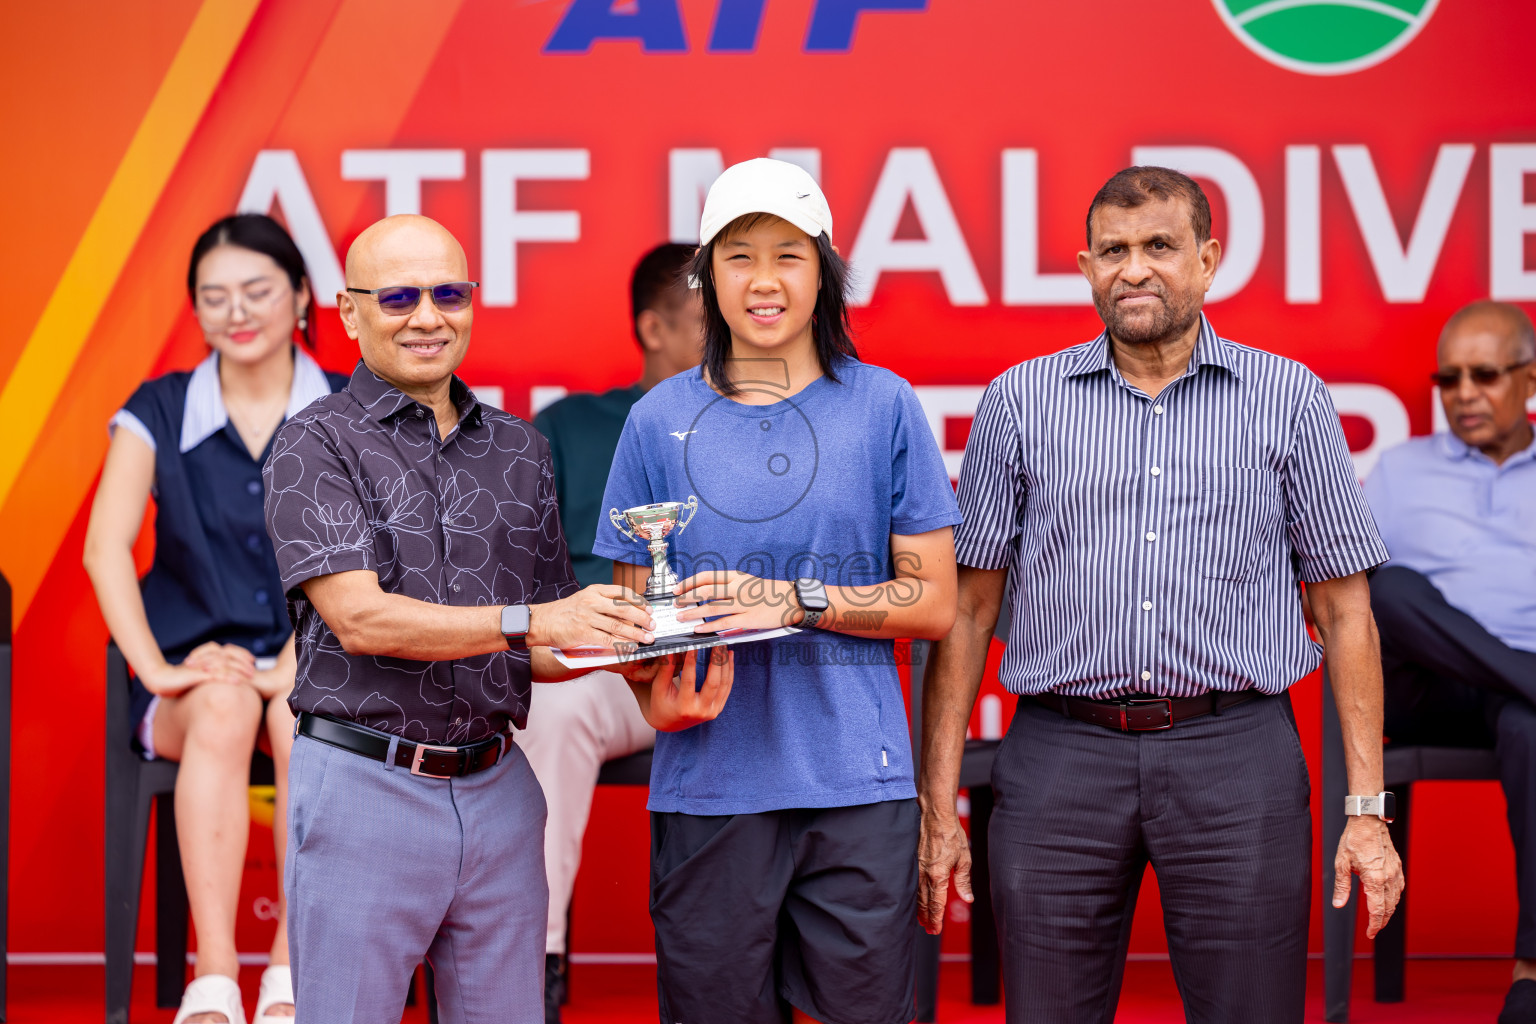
(421, 752)
(1166, 702)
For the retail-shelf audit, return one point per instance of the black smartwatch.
(812, 595)
(514, 626)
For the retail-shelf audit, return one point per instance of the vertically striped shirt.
(1155, 545)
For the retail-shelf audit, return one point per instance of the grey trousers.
(1218, 805)
(385, 868)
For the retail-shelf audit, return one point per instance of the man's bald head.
(418, 350)
(401, 241)
(1499, 318)
(1495, 340)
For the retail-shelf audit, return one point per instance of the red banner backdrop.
(1369, 163)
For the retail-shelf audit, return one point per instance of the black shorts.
(812, 907)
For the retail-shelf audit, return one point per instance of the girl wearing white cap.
(784, 827)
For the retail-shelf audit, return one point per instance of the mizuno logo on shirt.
(681, 434)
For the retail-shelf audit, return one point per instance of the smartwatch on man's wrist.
(514, 626)
(812, 597)
(1383, 805)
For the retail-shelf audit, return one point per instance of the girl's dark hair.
(829, 320)
(258, 233)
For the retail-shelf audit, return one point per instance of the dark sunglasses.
(401, 299)
(1482, 376)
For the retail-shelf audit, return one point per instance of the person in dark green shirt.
(574, 726)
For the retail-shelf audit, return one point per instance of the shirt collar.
(1456, 449)
(1453, 447)
(1210, 350)
(383, 401)
(205, 415)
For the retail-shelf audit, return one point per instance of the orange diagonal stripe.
(77, 300)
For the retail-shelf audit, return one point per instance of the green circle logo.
(1325, 37)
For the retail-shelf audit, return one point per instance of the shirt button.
(421, 413)
(1146, 606)
(1146, 674)
(458, 721)
(261, 597)
(1151, 536)
(259, 647)
(253, 541)
(455, 588)
(1156, 471)
(1157, 410)
(253, 487)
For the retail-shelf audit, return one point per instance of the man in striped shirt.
(1150, 501)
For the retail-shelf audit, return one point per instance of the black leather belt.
(421, 758)
(1144, 714)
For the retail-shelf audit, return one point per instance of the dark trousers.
(1450, 683)
(1218, 805)
(807, 907)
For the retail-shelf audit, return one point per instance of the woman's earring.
(303, 323)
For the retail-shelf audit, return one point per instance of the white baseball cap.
(765, 186)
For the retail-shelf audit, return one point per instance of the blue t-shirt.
(812, 485)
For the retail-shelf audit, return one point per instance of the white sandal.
(276, 990)
(212, 993)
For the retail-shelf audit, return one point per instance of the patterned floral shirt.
(360, 480)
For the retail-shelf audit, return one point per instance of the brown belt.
(1144, 714)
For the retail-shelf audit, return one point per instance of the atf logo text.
(658, 24)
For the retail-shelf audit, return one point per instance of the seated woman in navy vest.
(206, 631)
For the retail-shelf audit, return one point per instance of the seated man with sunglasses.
(1456, 605)
(419, 543)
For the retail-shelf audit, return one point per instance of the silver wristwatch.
(1382, 805)
(515, 619)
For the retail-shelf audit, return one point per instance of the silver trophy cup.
(653, 523)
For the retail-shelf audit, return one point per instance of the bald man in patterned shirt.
(419, 543)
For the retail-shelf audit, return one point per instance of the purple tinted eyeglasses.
(399, 300)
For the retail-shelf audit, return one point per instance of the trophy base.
(586, 658)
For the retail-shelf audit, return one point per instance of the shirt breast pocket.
(1238, 508)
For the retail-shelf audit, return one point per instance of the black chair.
(133, 784)
(975, 776)
(630, 770)
(5, 776)
(1403, 766)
